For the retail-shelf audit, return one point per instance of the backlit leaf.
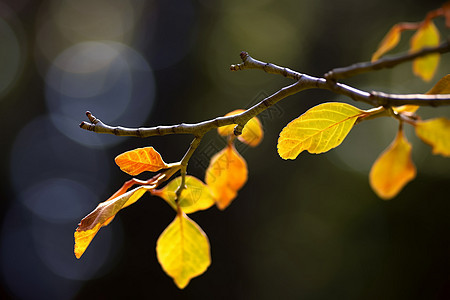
(139, 160)
(426, 36)
(318, 130)
(226, 174)
(406, 108)
(252, 134)
(102, 215)
(441, 87)
(183, 250)
(393, 169)
(196, 196)
(436, 133)
(389, 42)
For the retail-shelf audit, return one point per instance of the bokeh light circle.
(108, 78)
(41, 152)
(59, 199)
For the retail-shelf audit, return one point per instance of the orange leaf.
(436, 133)
(226, 174)
(446, 8)
(139, 160)
(103, 215)
(393, 169)
(441, 87)
(390, 40)
(252, 134)
(426, 36)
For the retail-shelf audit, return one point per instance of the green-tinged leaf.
(183, 250)
(139, 160)
(393, 169)
(426, 36)
(194, 197)
(436, 133)
(102, 215)
(318, 130)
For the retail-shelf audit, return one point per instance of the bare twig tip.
(243, 55)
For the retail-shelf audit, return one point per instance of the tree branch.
(383, 63)
(249, 62)
(303, 82)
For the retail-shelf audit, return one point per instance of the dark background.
(304, 229)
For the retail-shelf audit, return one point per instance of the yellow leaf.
(436, 133)
(318, 130)
(226, 174)
(442, 86)
(139, 160)
(406, 108)
(426, 36)
(196, 196)
(252, 134)
(393, 169)
(183, 250)
(102, 215)
(389, 42)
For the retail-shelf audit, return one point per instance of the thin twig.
(184, 162)
(303, 82)
(384, 63)
(249, 62)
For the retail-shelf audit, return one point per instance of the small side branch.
(184, 162)
(388, 62)
(249, 62)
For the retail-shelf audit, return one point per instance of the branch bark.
(303, 82)
(388, 62)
